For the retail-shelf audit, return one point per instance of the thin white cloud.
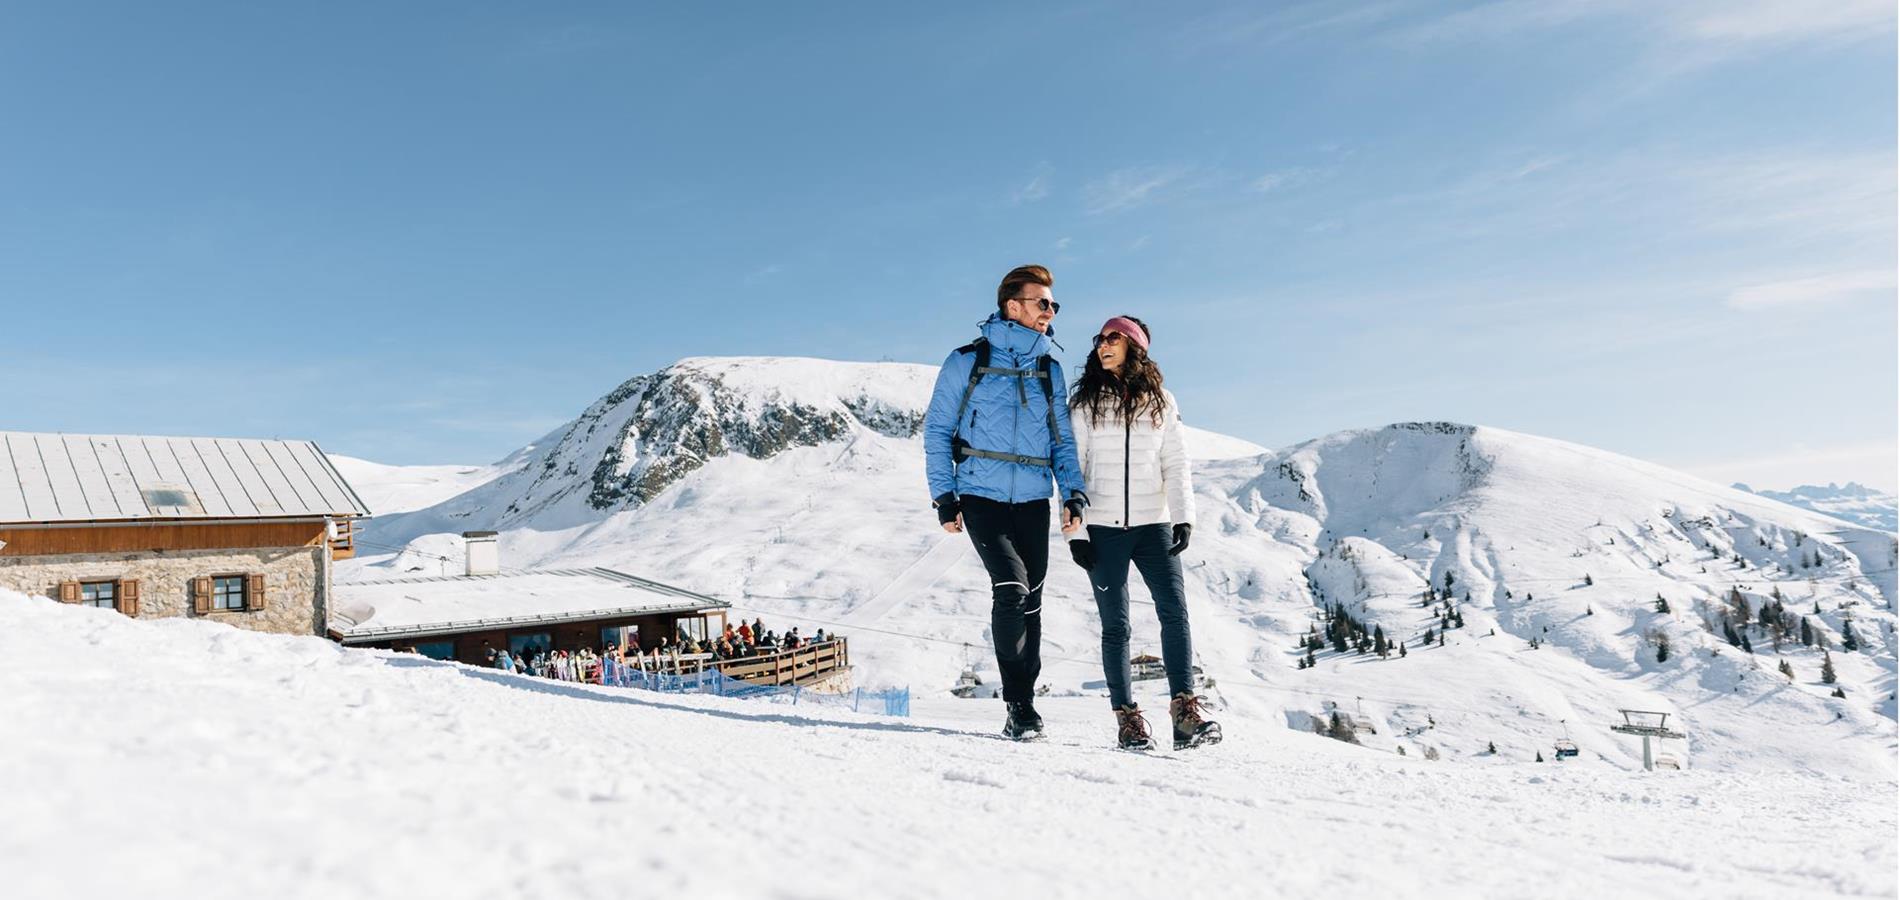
(1132, 187)
(1063, 243)
(1036, 188)
(1709, 25)
(1786, 20)
(763, 273)
(1817, 289)
(1280, 179)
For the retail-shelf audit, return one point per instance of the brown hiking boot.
(1131, 729)
(1191, 729)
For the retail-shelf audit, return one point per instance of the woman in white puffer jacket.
(1141, 510)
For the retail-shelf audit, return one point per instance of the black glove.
(1181, 533)
(1075, 504)
(947, 508)
(1083, 552)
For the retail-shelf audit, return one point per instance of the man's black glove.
(1083, 552)
(1075, 504)
(947, 508)
(1181, 533)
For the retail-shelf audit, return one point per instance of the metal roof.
(447, 604)
(51, 478)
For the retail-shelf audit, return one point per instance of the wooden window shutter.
(69, 592)
(254, 592)
(201, 595)
(128, 595)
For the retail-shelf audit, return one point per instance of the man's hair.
(1018, 277)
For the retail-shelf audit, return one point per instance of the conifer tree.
(1787, 670)
(1827, 668)
(1540, 756)
(1587, 580)
(1662, 605)
(1848, 641)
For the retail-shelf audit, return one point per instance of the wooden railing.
(800, 666)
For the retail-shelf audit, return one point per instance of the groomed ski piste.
(179, 758)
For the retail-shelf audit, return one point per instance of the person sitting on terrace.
(745, 632)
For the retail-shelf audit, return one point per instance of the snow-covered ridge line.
(763, 483)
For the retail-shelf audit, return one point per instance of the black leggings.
(1013, 541)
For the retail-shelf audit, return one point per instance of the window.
(529, 644)
(227, 592)
(99, 593)
(437, 649)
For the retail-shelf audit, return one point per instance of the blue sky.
(431, 232)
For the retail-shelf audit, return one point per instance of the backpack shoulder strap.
(1047, 365)
(980, 347)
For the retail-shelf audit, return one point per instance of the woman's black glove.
(947, 508)
(1181, 533)
(1083, 552)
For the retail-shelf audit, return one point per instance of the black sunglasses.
(1101, 339)
(1047, 305)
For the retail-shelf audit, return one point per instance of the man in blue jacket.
(997, 432)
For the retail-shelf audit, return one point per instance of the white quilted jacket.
(1137, 474)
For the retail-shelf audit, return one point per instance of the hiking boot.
(1191, 729)
(1023, 723)
(1131, 729)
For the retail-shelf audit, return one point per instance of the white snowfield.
(1547, 541)
(181, 759)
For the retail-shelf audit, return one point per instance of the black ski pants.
(1147, 547)
(1013, 541)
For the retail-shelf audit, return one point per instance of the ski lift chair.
(1566, 748)
(967, 683)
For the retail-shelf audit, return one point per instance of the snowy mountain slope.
(202, 761)
(1853, 502)
(397, 489)
(1567, 546)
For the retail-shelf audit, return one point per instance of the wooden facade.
(159, 536)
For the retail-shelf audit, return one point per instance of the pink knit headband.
(1128, 329)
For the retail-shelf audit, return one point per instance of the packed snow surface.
(178, 758)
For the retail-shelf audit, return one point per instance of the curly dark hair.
(1135, 391)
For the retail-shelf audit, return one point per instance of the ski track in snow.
(176, 758)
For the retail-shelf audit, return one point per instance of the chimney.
(484, 554)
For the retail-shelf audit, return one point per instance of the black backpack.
(961, 449)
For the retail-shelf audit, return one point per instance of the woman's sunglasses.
(1045, 304)
(1113, 337)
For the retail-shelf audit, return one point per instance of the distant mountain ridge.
(1852, 502)
(795, 489)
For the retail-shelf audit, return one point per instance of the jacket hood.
(1006, 335)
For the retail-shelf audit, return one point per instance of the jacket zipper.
(1128, 446)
